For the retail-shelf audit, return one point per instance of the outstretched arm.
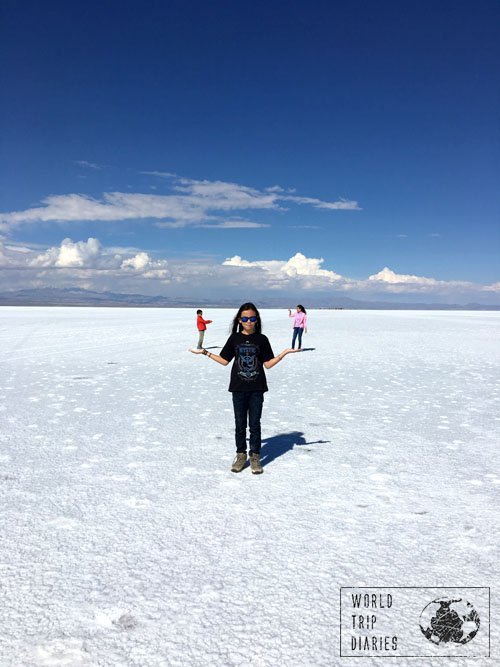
(276, 360)
(215, 357)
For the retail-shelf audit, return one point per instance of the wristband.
(205, 352)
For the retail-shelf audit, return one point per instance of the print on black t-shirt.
(247, 361)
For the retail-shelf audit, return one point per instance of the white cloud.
(115, 206)
(226, 196)
(263, 264)
(140, 261)
(340, 205)
(91, 255)
(388, 276)
(395, 282)
(70, 255)
(299, 266)
(234, 224)
(307, 273)
(4, 257)
(160, 174)
(182, 210)
(15, 255)
(23, 250)
(89, 165)
(144, 265)
(193, 202)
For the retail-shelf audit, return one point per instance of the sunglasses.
(252, 319)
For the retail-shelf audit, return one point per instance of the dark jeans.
(247, 403)
(297, 331)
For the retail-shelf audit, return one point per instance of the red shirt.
(201, 323)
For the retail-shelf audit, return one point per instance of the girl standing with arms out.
(299, 324)
(252, 352)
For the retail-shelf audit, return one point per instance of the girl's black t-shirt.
(249, 354)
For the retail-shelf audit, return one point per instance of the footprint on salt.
(137, 503)
(64, 653)
(126, 622)
(63, 522)
(380, 477)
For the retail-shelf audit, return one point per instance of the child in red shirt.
(201, 325)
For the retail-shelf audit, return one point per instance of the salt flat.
(126, 540)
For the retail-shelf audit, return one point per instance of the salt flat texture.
(127, 541)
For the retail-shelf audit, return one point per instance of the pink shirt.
(299, 320)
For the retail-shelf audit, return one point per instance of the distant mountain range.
(81, 297)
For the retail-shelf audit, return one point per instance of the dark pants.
(247, 403)
(297, 331)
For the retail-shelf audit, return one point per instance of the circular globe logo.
(449, 621)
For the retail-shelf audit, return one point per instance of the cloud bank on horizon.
(91, 265)
(192, 203)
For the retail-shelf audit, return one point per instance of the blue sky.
(205, 149)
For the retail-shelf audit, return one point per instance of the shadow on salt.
(277, 445)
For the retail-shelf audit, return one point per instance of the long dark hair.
(237, 324)
(302, 309)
